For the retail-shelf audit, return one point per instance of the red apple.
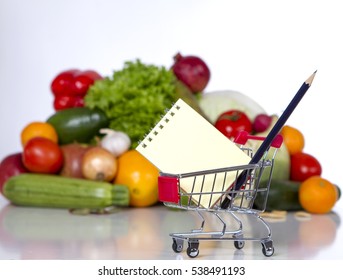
(10, 166)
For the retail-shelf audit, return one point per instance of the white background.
(264, 49)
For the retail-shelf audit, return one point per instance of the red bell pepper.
(69, 87)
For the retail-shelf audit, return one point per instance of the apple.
(10, 166)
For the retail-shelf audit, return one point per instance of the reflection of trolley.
(257, 183)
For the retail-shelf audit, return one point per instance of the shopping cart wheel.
(268, 248)
(193, 249)
(239, 244)
(177, 245)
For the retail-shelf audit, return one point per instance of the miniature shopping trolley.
(240, 200)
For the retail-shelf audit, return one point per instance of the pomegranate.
(192, 71)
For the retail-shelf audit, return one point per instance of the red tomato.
(83, 81)
(231, 122)
(41, 155)
(68, 101)
(304, 166)
(62, 83)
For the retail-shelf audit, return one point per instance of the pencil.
(270, 137)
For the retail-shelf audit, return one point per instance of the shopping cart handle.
(243, 136)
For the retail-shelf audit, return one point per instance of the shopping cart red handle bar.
(243, 136)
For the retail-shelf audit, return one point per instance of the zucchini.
(283, 195)
(78, 124)
(40, 190)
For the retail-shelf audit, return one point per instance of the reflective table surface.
(143, 233)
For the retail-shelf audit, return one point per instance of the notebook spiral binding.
(161, 119)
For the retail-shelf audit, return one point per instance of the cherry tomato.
(68, 101)
(304, 166)
(83, 80)
(62, 83)
(41, 155)
(231, 122)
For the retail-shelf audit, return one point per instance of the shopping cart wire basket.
(256, 183)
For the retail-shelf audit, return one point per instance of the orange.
(38, 129)
(317, 195)
(140, 176)
(293, 139)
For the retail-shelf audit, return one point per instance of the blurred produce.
(136, 172)
(261, 123)
(283, 195)
(304, 166)
(293, 139)
(317, 195)
(99, 164)
(231, 122)
(60, 192)
(116, 142)
(134, 98)
(69, 87)
(282, 163)
(192, 71)
(73, 154)
(213, 104)
(100, 120)
(10, 166)
(78, 124)
(41, 155)
(38, 129)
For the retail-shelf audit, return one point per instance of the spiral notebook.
(183, 141)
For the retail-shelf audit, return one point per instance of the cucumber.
(79, 124)
(283, 195)
(40, 190)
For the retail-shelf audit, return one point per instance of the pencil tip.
(310, 79)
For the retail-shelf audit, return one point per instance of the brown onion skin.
(192, 71)
(99, 164)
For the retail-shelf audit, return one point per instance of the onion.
(99, 164)
(116, 142)
(73, 154)
(192, 71)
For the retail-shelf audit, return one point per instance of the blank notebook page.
(183, 141)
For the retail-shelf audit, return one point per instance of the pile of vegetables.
(98, 122)
(72, 159)
(134, 98)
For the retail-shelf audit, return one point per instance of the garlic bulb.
(117, 142)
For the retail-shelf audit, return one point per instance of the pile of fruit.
(83, 156)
